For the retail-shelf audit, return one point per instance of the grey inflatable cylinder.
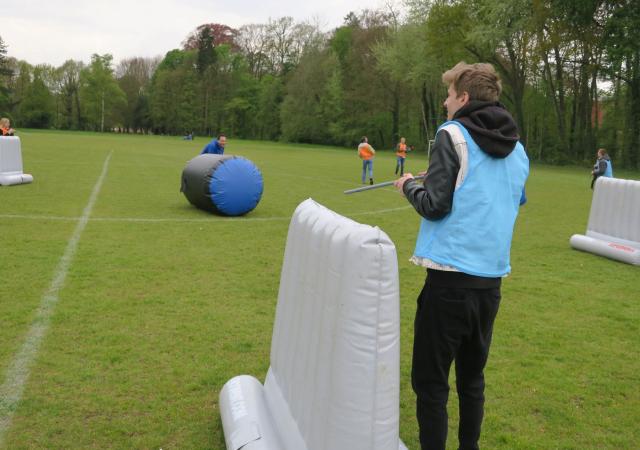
(223, 184)
(245, 417)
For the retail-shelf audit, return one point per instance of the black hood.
(491, 126)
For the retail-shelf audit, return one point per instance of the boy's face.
(223, 141)
(454, 101)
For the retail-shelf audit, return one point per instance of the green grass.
(157, 313)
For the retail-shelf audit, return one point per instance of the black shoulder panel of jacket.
(433, 198)
(602, 167)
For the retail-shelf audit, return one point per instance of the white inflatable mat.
(333, 383)
(11, 162)
(614, 221)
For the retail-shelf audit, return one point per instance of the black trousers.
(451, 323)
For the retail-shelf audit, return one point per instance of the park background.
(164, 303)
(570, 70)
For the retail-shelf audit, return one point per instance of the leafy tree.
(141, 119)
(444, 46)
(238, 111)
(229, 80)
(219, 69)
(101, 94)
(134, 78)
(69, 74)
(19, 85)
(4, 70)
(280, 44)
(214, 33)
(405, 59)
(252, 41)
(52, 80)
(378, 74)
(37, 106)
(205, 48)
(270, 98)
(622, 42)
(174, 102)
(368, 100)
(206, 59)
(501, 32)
(303, 116)
(332, 105)
(5, 73)
(286, 42)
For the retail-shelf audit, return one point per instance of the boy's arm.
(433, 198)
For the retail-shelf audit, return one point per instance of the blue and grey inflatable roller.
(223, 184)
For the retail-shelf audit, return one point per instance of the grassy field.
(163, 303)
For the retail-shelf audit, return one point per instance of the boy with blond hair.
(468, 201)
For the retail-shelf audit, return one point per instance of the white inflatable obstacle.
(333, 383)
(614, 221)
(11, 162)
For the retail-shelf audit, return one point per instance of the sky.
(48, 31)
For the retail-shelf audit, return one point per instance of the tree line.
(570, 71)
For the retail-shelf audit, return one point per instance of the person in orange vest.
(5, 127)
(366, 154)
(401, 153)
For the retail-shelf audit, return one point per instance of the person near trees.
(216, 146)
(469, 201)
(401, 155)
(366, 154)
(5, 127)
(602, 167)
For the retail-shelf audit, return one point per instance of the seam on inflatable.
(299, 343)
(327, 352)
(18, 371)
(310, 311)
(376, 379)
(332, 349)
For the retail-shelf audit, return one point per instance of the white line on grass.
(18, 372)
(178, 220)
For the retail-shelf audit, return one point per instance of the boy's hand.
(399, 183)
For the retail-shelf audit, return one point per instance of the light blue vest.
(475, 237)
(608, 172)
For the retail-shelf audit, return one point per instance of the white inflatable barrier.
(11, 162)
(334, 379)
(614, 221)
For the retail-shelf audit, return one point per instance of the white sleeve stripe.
(461, 150)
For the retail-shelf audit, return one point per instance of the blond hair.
(4, 123)
(479, 80)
